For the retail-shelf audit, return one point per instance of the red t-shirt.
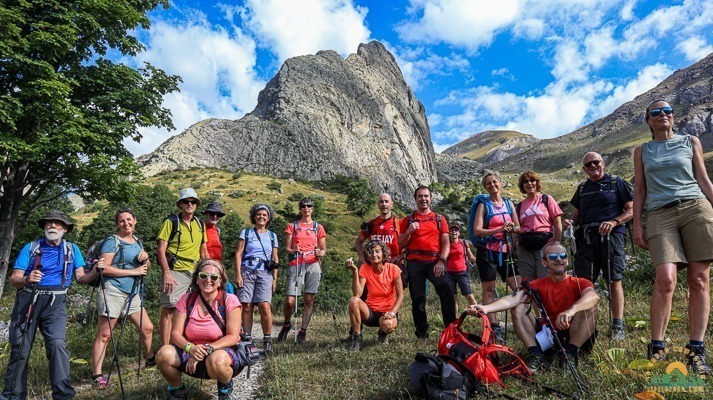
(386, 230)
(557, 297)
(427, 237)
(381, 295)
(456, 258)
(215, 248)
(306, 238)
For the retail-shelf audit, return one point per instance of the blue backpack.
(489, 214)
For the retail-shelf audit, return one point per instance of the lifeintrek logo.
(676, 379)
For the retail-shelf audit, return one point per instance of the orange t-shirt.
(557, 297)
(456, 258)
(215, 248)
(381, 290)
(306, 238)
(386, 230)
(427, 237)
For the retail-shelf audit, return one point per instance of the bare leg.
(248, 317)
(358, 311)
(524, 325)
(617, 299)
(699, 305)
(489, 297)
(165, 324)
(168, 363)
(265, 317)
(218, 366)
(660, 309)
(147, 332)
(288, 308)
(100, 343)
(582, 327)
(309, 305)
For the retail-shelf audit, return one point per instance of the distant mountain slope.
(319, 117)
(491, 146)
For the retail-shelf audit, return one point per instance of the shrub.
(275, 186)
(296, 196)
(360, 197)
(236, 194)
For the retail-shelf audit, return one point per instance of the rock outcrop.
(321, 116)
(456, 169)
(491, 146)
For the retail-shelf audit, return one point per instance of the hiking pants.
(50, 317)
(418, 272)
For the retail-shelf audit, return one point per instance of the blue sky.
(543, 67)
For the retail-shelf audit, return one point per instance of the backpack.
(432, 377)
(36, 253)
(176, 225)
(489, 214)
(94, 254)
(439, 224)
(296, 226)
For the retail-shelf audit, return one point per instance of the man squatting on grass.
(60, 260)
(570, 302)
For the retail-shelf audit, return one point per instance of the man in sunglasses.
(181, 243)
(570, 302)
(602, 205)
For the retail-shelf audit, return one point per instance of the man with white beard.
(47, 266)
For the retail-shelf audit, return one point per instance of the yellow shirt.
(191, 240)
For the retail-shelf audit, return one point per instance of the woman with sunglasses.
(256, 265)
(540, 223)
(123, 261)
(495, 219)
(205, 333)
(672, 185)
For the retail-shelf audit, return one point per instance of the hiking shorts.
(564, 336)
(461, 280)
(257, 286)
(591, 258)
(529, 263)
(375, 317)
(183, 283)
(682, 233)
(487, 262)
(117, 302)
(201, 369)
(303, 277)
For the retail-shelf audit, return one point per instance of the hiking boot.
(100, 383)
(535, 362)
(697, 362)
(267, 346)
(422, 335)
(150, 362)
(355, 343)
(301, 336)
(655, 353)
(617, 333)
(224, 391)
(284, 332)
(245, 337)
(383, 338)
(179, 393)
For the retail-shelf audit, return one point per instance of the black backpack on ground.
(432, 377)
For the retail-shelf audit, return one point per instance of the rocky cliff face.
(319, 117)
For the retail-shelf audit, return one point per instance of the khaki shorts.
(681, 234)
(183, 283)
(117, 301)
(530, 263)
(307, 279)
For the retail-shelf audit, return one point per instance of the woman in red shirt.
(385, 293)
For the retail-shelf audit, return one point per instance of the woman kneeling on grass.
(385, 293)
(206, 329)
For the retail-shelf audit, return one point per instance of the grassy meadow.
(323, 368)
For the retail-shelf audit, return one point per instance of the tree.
(65, 108)
(360, 197)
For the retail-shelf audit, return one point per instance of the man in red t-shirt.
(385, 227)
(425, 238)
(213, 213)
(570, 302)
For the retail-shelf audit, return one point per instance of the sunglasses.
(554, 256)
(306, 206)
(204, 275)
(657, 111)
(189, 201)
(593, 163)
(530, 181)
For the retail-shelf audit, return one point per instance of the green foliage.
(27, 230)
(360, 197)
(329, 226)
(318, 201)
(238, 174)
(288, 210)
(274, 185)
(230, 227)
(236, 194)
(296, 196)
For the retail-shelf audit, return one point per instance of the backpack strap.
(68, 250)
(191, 302)
(35, 255)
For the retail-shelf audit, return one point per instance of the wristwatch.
(442, 259)
(209, 349)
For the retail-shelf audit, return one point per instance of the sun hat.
(56, 215)
(188, 193)
(215, 207)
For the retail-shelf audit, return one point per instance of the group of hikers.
(520, 243)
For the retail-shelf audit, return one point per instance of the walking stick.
(329, 303)
(609, 280)
(111, 335)
(511, 268)
(28, 320)
(141, 325)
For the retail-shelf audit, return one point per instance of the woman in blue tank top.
(673, 187)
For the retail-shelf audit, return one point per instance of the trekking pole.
(111, 335)
(300, 264)
(329, 303)
(141, 325)
(609, 280)
(511, 268)
(28, 320)
(85, 318)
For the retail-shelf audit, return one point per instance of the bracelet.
(442, 259)
(188, 347)
(617, 221)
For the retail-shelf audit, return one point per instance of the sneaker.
(267, 346)
(655, 354)
(284, 332)
(383, 338)
(301, 336)
(617, 333)
(100, 383)
(150, 362)
(535, 362)
(697, 362)
(355, 343)
(422, 335)
(246, 338)
(179, 393)
(224, 391)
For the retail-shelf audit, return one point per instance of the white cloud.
(695, 48)
(293, 28)
(417, 64)
(530, 28)
(645, 80)
(627, 11)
